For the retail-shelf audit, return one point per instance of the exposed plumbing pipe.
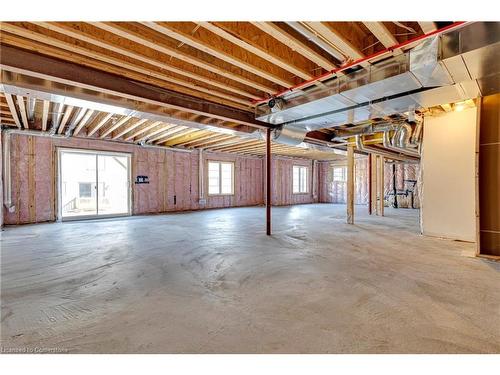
(7, 189)
(297, 26)
(326, 75)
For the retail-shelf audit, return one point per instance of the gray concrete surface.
(212, 282)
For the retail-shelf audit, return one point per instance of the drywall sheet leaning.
(448, 175)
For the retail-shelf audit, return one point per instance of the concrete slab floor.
(212, 282)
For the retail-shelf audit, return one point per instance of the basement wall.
(335, 192)
(173, 177)
(448, 175)
(282, 188)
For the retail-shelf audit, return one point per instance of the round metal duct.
(290, 135)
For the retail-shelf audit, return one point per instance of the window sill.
(221, 195)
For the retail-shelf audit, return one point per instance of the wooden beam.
(350, 185)
(154, 99)
(335, 39)
(22, 110)
(181, 130)
(12, 108)
(181, 56)
(117, 62)
(45, 114)
(161, 130)
(427, 27)
(67, 112)
(186, 138)
(256, 50)
(202, 46)
(130, 128)
(381, 185)
(119, 123)
(216, 139)
(100, 124)
(279, 34)
(77, 34)
(192, 134)
(84, 121)
(143, 130)
(382, 33)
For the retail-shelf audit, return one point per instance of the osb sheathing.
(173, 177)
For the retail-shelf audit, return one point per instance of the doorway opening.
(93, 184)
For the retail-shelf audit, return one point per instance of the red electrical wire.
(366, 58)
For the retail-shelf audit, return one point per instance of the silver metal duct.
(390, 155)
(452, 67)
(289, 135)
(31, 109)
(56, 117)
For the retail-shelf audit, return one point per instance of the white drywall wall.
(448, 167)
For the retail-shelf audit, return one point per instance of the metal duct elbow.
(290, 135)
(404, 135)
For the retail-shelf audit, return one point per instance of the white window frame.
(60, 151)
(305, 188)
(344, 173)
(220, 163)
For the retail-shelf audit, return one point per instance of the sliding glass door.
(93, 184)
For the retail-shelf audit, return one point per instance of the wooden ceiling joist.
(182, 138)
(112, 128)
(67, 112)
(302, 48)
(120, 31)
(13, 110)
(158, 99)
(22, 111)
(143, 130)
(164, 129)
(79, 35)
(129, 128)
(202, 46)
(258, 51)
(335, 39)
(382, 33)
(100, 124)
(83, 122)
(169, 134)
(119, 63)
(215, 139)
(427, 27)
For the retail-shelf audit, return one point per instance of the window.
(85, 189)
(339, 174)
(299, 179)
(220, 178)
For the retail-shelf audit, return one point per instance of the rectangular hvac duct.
(462, 64)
